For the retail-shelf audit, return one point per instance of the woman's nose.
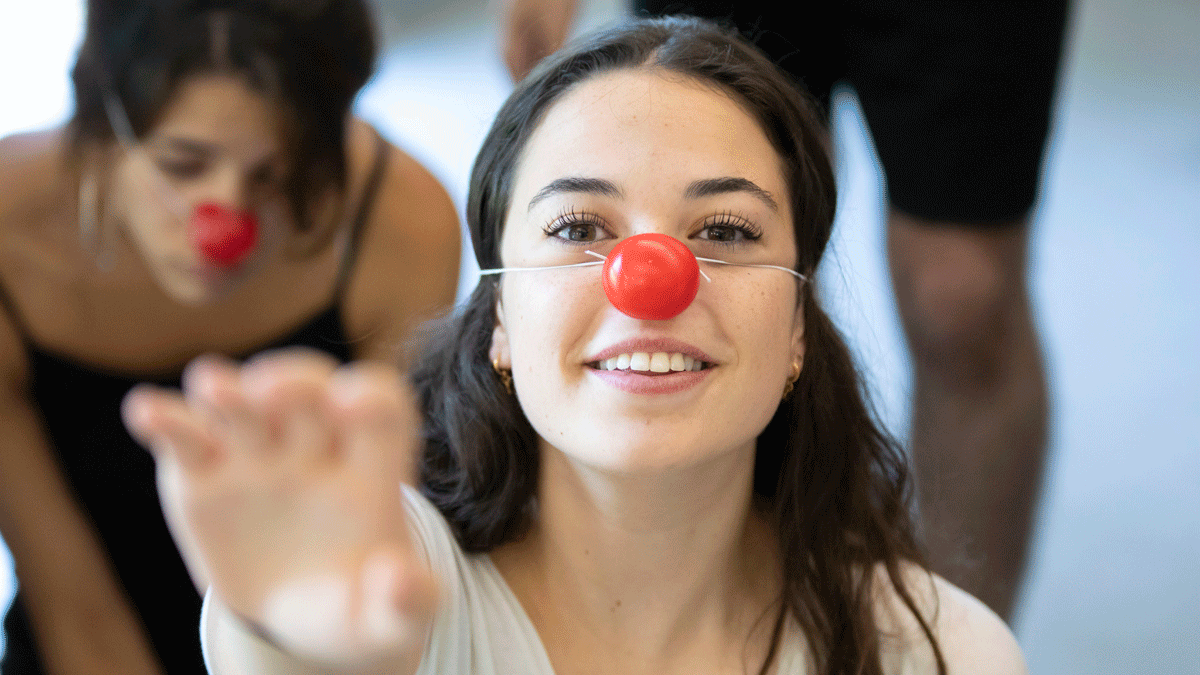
(229, 188)
(224, 227)
(223, 236)
(651, 276)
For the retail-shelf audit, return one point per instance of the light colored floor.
(1114, 584)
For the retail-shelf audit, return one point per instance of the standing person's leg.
(958, 99)
(979, 409)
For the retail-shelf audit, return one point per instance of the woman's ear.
(798, 336)
(499, 353)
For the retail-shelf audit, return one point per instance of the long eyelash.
(738, 222)
(570, 216)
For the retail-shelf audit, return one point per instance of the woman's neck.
(648, 566)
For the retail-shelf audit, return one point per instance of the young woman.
(212, 193)
(649, 465)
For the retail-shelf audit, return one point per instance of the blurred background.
(1114, 581)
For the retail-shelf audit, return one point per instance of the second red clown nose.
(223, 235)
(651, 276)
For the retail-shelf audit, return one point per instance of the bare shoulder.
(408, 192)
(32, 147)
(31, 174)
(971, 637)
(408, 262)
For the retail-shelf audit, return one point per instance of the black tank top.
(112, 477)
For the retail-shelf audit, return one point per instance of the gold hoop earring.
(504, 375)
(791, 383)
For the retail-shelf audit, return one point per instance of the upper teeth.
(656, 362)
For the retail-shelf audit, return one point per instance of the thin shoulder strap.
(362, 213)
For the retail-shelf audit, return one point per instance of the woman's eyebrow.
(595, 186)
(717, 186)
(205, 149)
(189, 145)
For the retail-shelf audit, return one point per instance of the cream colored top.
(480, 627)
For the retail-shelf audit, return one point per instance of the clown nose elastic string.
(649, 276)
(222, 235)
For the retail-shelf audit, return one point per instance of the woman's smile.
(651, 366)
(651, 382)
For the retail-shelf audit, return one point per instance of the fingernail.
(137, 408)
(258, 386)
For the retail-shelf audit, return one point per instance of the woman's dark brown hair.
(835, 486)
(309, 56)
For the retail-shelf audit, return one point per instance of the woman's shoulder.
(34, 181)
(33, 175)
(407, 262)
(971, 637)
(405, 180)
(410, 207)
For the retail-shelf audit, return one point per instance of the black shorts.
(957, 95)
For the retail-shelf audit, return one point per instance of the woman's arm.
(80, 617)
(407, 267)
(531, 30)
(281, 483)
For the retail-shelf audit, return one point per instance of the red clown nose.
(651, 276)
(223, 236)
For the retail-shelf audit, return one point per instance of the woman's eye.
(729, 232)
(579, 232)
(721, 233)
(266, 176)
(181, 168)
(576, 228)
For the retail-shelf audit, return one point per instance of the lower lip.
(635, 382)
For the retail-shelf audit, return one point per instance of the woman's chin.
(196, 284)
(648, 453)
(194, 289)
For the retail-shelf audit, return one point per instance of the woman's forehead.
(222, 110)
(637, 123)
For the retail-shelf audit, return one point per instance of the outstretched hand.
(281, 483)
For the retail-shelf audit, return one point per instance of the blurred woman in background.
(212, 193)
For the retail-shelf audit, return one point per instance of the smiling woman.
(211, 193)
(702, 491)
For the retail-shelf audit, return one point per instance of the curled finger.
(213, 386)
(168, 427)
(375, 414)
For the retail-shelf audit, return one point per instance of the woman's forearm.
(81, 620)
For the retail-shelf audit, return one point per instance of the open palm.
(281, 483)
